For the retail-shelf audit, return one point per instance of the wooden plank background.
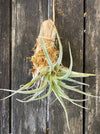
(69, 21)
(4, 64)
(93, 65)
(26, 19)
(22, 20)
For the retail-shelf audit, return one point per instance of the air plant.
(48, 70)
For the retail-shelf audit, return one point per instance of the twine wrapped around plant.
(48, 70)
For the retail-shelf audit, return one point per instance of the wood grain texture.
(69, 21)
(4, 64)
(27, 16)
(93, 65)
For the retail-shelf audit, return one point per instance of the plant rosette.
(48, 70)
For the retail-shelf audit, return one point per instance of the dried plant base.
(49, 35)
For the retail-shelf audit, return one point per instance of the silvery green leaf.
(46, 54)
(62, 103)
(24, 87)
(60, 51)
(67, 74)
(74, 89)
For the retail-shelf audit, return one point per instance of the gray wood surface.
(4, 64)
(27, 16)
(69, 21)
(93, 65)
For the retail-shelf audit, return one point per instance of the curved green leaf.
(30, 91)
(47, 55)
(24, 87)
(70, 67)
(75, 74)
(60, 51)
(75, 81)
(62, 94)
(62, 103)
(33, 97)
(75, 90)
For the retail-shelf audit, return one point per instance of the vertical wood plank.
(4, 64)
(27, 16)
(69, 21)
(93, 65)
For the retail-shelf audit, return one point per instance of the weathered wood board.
(4, 64)
(27, 16)
(69, 21)
(24, 25)
(93, 65)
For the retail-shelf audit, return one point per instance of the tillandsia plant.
(48, 70)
